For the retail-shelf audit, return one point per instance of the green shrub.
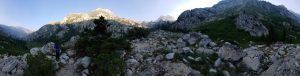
(137, 32)
(39, 65)
(108, 65)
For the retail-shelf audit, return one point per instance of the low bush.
(137, 32)
(39, 65)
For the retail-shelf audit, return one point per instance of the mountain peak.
(78, 17)
(104, 10)
(166, 18)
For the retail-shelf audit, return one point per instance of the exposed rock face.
(252, 25)
(189, 17)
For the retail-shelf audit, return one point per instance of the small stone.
(191, 58)
(202, 50)
(85, 61)
(231, 65)
(19, 72)
(14, 71)
(226, 73)
(213, 70)
(132, 62)
(187, 49)
(71, 52)
(281, 52)
(64, 58)
(198, 59)
(128, 72)
(34, 51)
(170, 56)
(218, 62)
(85, 71)
(212, 44)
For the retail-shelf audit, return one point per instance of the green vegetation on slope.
(225, 29)
(12, 46)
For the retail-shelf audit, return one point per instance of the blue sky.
(33, 14)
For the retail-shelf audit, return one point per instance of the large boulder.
(84, 61)
(132, 63)
(192, 38)
(230, 52)
(180, 43)
(12, 66)
(205, 41)
(71, 52)
(202, 50)
(252, 59)
(64, 58)
(48, 49)
(8, 65)
(71, 43)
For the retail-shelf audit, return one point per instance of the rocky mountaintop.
(75, 23)
(261, 9)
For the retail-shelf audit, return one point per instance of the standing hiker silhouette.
(57, 50)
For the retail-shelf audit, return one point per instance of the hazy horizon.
(33, 14)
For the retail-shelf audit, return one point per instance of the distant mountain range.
(14, 31)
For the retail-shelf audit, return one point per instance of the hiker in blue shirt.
(57, 50)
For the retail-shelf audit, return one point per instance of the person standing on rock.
(57, 50)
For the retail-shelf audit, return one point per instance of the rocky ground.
(195, 54)
(164, 53)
